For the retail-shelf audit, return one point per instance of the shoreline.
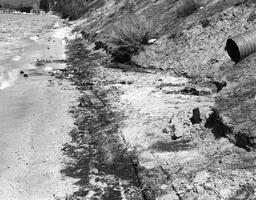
(34, 119)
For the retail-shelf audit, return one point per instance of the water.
(18, 32)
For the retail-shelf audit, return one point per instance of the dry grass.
(132, 31)
(74, 9)
(129, 5)
(186, 8)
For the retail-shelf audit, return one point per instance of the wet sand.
(34, 123)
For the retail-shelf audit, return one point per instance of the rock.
(175, 137)
(220, 85)
(21, 72)
(196, 119)
(126, 82)
(151, 41)
(100, 45)
(51, 73)
(165, 130)
(190, 91)
(25, 75)
(205, 23)
(176, 128)
(208, 186)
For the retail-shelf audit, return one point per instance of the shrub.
(132, 32)
(129, 5)
(128, 36)
(44, 5)
(72, 9)
(186, 8)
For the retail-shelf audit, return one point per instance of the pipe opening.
(233, 50)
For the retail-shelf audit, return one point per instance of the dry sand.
(34, 123)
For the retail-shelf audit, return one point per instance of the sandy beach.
(34, 123)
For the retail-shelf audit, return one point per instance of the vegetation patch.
(73, 9)
(186, 8)
(128, 36)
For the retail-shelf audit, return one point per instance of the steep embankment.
(146, 128)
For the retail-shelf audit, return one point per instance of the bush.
(44, 5)
(128, 36)
(129, 5)
(132, 32)
(186, 8)
(74, 9)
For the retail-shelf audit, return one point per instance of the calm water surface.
(17, 33)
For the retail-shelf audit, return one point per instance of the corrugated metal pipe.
(241, 46)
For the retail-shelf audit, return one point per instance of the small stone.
(180, 192)
(151, 41)
(94, 171)
(175, 137)
(126, 82)
(25, 75)
(21, 72)
(207, 186)
(165, 130)
(190, 91)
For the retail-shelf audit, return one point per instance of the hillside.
(164, 112)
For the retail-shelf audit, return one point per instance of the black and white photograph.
(127, 99)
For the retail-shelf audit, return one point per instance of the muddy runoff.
(103, 167)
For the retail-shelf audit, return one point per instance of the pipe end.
(233, 50)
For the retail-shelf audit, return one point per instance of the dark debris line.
(97, 150)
